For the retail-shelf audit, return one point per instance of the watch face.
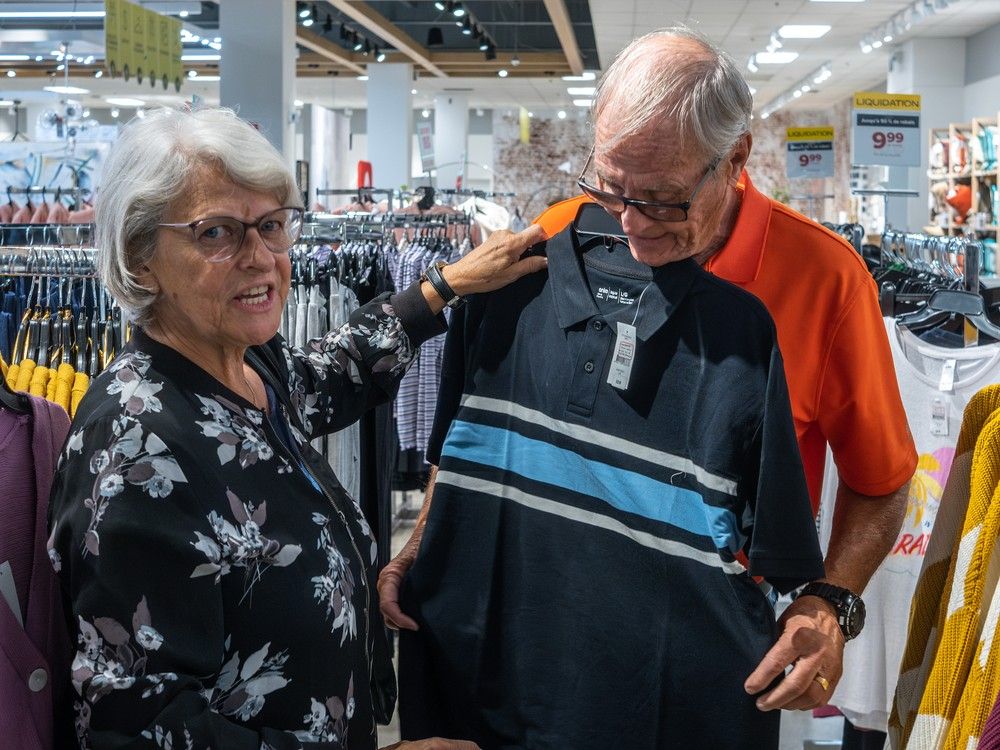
(855, 619)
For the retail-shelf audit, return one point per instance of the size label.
(620, 371)
(939, 417)
(886, 129)
(809, 152)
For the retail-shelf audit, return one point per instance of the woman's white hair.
(693, 86)
(151, 165)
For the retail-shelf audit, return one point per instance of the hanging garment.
(34, 686)
(935, 384)
(947, 606)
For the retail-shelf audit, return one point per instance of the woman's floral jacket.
(220, 597)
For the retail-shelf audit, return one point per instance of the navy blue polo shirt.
(584, 579)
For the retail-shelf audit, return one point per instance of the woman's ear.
(146, 278)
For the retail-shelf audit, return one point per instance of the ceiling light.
(358, 44)
(806, 88)
(502, 73)
(115, 112)
(775, 58)
(561, 114)
(98, 74)
(60, 67)
(192, 74)
(765, 115)
(581, 90)
(52, 14)
(66, 90)
(752, 90)
(435, 37)
(124, 101)
(204, 56)
(887, 38)
(12, 74)
(467, 27)
(39, 58)
(752, 64)
(484, 44)
(439, 4)
(797, 93)
(362, 78)
(207, 79)
(515, 61)
(308, 22)
(304, 11)
(298, 102)
(583, 102)
(205, 42)
(14, 58)
(866, 48)
(876, 44)
(379, 55)
(425, 113)
(588, 75)
(183, 14)
(458, 11)
(413, 91)
(803, 31)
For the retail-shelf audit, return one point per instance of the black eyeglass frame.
(608, 200)
(246, 226)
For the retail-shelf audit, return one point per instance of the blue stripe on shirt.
(626, 490)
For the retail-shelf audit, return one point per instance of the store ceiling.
(522, 29)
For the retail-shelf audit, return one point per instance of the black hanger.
(16, 402)
(947, 302)
(593, 221)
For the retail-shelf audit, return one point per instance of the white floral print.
(335, 588)
(235, 428)
(327, 721)
(242, 691)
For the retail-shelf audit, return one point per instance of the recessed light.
(15, 58)
(561, 114)
(876, 44)
(425, 113)
(66, 90)
(12, 74)
(298, 102)
(502, 73)
(588, 75)
(24, 15)
(775, 58)
(362, 78)
(582, 102)
(581, 90)
(208, 79)
(413, 91)
(124, 101)
(205, 56)
(803, 31)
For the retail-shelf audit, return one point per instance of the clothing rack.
(474, 193)
(359, 192)
(48, 260)
(65, 235)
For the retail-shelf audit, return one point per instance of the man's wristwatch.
(435, 278)
(850, 608)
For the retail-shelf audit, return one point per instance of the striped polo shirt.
(584, 579)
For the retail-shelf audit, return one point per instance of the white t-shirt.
(935, 384)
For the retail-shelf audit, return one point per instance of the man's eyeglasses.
(219, 238)
(656, 210)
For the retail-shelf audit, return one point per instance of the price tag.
(621, 365)
(939, 417)
(947, 382)
(809, 152)
(886, 129)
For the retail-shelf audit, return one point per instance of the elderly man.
(672, 138)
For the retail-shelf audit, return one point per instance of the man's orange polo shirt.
(824, 302)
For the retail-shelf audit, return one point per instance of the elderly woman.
(221, 581)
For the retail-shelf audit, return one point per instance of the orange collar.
(739, 259)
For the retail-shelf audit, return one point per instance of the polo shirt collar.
(574, 303)
(740, 258)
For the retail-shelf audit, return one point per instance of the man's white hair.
(655, 81)
(151, 165)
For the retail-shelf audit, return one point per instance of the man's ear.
(738, 157)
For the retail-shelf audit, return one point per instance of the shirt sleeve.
(860, 411)
(783, 546)
(452, 381)
(134, 551)
(335, 379)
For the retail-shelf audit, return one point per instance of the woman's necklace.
(253, 393)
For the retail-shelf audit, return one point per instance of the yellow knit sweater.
(937, 674)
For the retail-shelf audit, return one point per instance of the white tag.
(939, 417)
(621, 363)
(9, 591)
(947, 383)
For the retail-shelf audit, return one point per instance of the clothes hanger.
(945, 303)
(16, 402)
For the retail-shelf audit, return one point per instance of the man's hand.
(812, 643)
(389, 581)
(434, 743)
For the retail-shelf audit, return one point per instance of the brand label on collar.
(619, 296)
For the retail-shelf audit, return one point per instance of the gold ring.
(823, 682)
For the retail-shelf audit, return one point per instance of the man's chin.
(657, 252)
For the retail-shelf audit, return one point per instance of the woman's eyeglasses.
(657, 210)
(219, 238)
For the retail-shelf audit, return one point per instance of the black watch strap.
(849, 606)
(445, 292)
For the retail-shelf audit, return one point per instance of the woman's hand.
(496, 263)
(434, 743)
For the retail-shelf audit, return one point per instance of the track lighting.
(327, 25)
(458, 11)
(439, 4)
(379, 55)
(467, 27)
(435, 38)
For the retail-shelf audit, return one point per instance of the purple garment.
(990, 738)
(34, 660)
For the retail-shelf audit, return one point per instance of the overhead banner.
(810, 152)
(425, 142)
(141, 43)
(886, 129)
